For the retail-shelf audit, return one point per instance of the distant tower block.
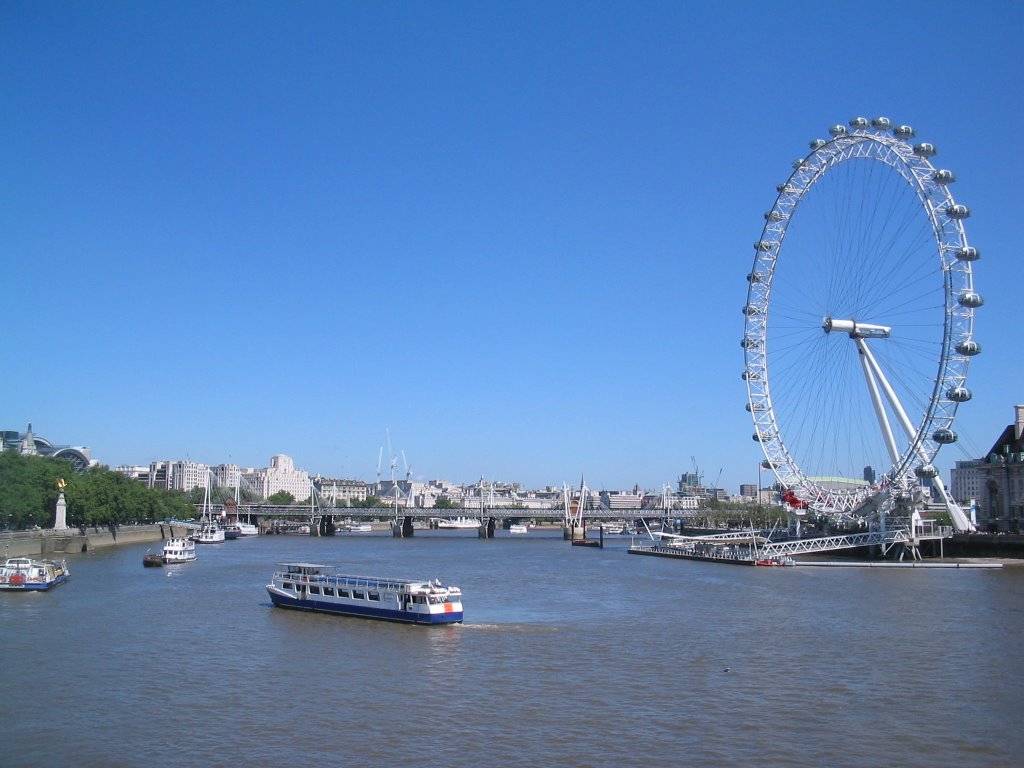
(869, 474)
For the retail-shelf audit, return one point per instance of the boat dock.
(887, 564)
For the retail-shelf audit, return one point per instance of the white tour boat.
(23, 573)
(246, 529)
(209, 533)
(356, 527)
(459, 522)
(179, 549)
(518, 528)
(324, 588)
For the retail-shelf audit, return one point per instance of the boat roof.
(335, 571)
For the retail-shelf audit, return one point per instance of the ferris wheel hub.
(856, 330)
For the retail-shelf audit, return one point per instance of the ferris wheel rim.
(880, 142)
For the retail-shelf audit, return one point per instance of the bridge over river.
(324, 521)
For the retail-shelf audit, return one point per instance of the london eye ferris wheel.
(859, 320)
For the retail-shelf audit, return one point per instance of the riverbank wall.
(985, 545)
(49, 543)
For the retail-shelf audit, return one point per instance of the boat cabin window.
(329, 591)
(375, 596)
(421, 599)
(343, 593)
(287, 585)
(314, 590)
(359, 595)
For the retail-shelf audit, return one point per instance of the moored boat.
(517, 528)
(22, 574)
(179, 549)
(324, 588)
(246, 529)
(459, 522)
(356, 527)
(153, 560)
(209, 533)
(772, 562)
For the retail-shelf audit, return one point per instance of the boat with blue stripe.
(324, 588)
(23, 574)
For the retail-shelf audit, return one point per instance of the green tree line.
(99, 497)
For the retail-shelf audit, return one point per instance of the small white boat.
(209, 533)
(323, 588)
(24, 574)
(517, 528)
(246, 529)
(459, 522)
(179, 549)
(356, 527)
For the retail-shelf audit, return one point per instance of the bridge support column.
(574, 532)
(326, 526)
(486, 529)
(403, 529)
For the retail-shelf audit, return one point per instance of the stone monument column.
(61, 523)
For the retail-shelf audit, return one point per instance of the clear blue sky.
(515, 234)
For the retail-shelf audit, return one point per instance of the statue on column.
(61, 523)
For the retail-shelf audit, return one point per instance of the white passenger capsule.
(859, 122)
(958, 211)
(968, 253)
(970, 299)
(959, 394)
(968, 348)
(817, 144)
(925, 471)
(837, 130)
(944, 436)
(881, 123)
(944, 177)
(903, 132)
(925, 150)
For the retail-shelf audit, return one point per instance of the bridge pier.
(325, 526)
(574, 532)
(486, 529)
(402, 530)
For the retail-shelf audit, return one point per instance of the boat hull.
(34, 586)
(362, 611)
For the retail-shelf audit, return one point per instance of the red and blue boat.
(23, 574)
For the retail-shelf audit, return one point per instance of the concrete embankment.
(47, 543)
(998, 545)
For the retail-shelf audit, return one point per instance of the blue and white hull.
(309, 587)
(364, 611)
(22, 574)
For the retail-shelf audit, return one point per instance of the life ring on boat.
(18, 578)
